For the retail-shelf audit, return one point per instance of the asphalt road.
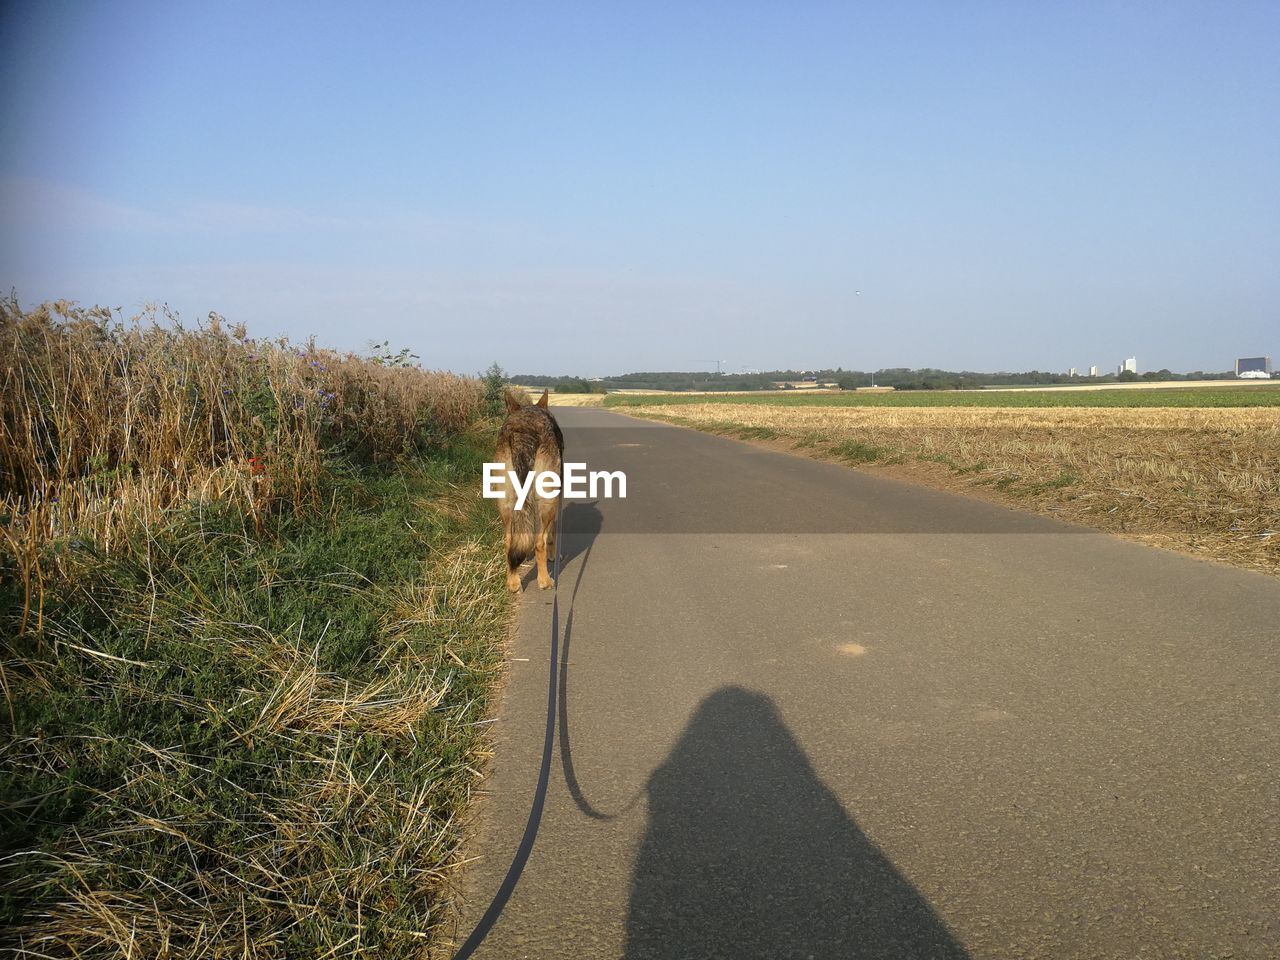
(811, 712)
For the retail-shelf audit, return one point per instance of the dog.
(530, 439)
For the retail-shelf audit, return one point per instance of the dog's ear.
(513, 402)
(542, 401)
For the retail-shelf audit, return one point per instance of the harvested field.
(576, 399)
(1202, 480)
(1226, 394)
(1145, 385)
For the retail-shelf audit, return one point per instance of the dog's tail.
(518, 523)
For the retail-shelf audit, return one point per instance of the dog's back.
(530, 439)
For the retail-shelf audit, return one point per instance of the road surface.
(810, 712)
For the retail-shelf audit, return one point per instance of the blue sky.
(597, 188)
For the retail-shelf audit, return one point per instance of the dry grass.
(105, 425)
(1205, 480)
(251, 610)
(576, 399)
(319, 838)
(1139, 385)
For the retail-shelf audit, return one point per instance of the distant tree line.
(901, 378)
(558, 384)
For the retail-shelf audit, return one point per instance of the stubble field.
(1205, 480)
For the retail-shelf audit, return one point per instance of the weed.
(812, 438)
(757, 433)
(855, 451)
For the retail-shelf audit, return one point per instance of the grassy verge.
(1260, 395)
(1204, 480)
(244, 719)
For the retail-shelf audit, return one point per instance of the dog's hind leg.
(513, 553)
(547, 460)
(546, 539)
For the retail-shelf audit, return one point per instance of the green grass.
(730, 428)
(1250, 396)
(857, 452)
(758, 433)
(227, 736)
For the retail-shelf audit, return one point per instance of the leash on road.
(566, 755)
(509, 882)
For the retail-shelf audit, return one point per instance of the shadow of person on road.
(580, 524)
(747, 854)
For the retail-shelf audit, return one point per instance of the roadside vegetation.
(252, 615)
(1202, 479)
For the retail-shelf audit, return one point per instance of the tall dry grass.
(106, 424)
(250, 618)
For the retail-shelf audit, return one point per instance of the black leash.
(566, 755)
(544, 775)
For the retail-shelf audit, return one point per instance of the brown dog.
(530, 439)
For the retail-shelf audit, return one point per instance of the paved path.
(810, 712)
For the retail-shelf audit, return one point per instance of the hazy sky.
(597, 187)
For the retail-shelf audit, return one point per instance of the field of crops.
(1261, 395)
(1201, 479)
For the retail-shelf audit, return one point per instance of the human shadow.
(747, 854)
(580, 524)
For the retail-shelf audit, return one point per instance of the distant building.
(1253, 367)
(1071, 372)
(1093, 371)
(1129, 366)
